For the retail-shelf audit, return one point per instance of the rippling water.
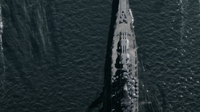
(54, 54)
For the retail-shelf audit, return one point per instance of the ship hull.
(124, 72)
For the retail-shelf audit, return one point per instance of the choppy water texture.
(54, 54)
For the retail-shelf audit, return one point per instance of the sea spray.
(1, 49)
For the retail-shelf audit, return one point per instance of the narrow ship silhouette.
(124, 73)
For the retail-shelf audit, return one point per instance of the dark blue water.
(54, 53)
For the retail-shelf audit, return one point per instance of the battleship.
(124, 67)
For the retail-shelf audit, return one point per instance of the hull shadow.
(105, 96)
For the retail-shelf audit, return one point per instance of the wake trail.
(1, 49)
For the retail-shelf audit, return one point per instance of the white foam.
(1, 48)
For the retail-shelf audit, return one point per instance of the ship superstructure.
(124, 78)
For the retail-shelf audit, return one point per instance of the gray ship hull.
(124, 73)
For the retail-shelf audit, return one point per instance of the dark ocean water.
(54, 53)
